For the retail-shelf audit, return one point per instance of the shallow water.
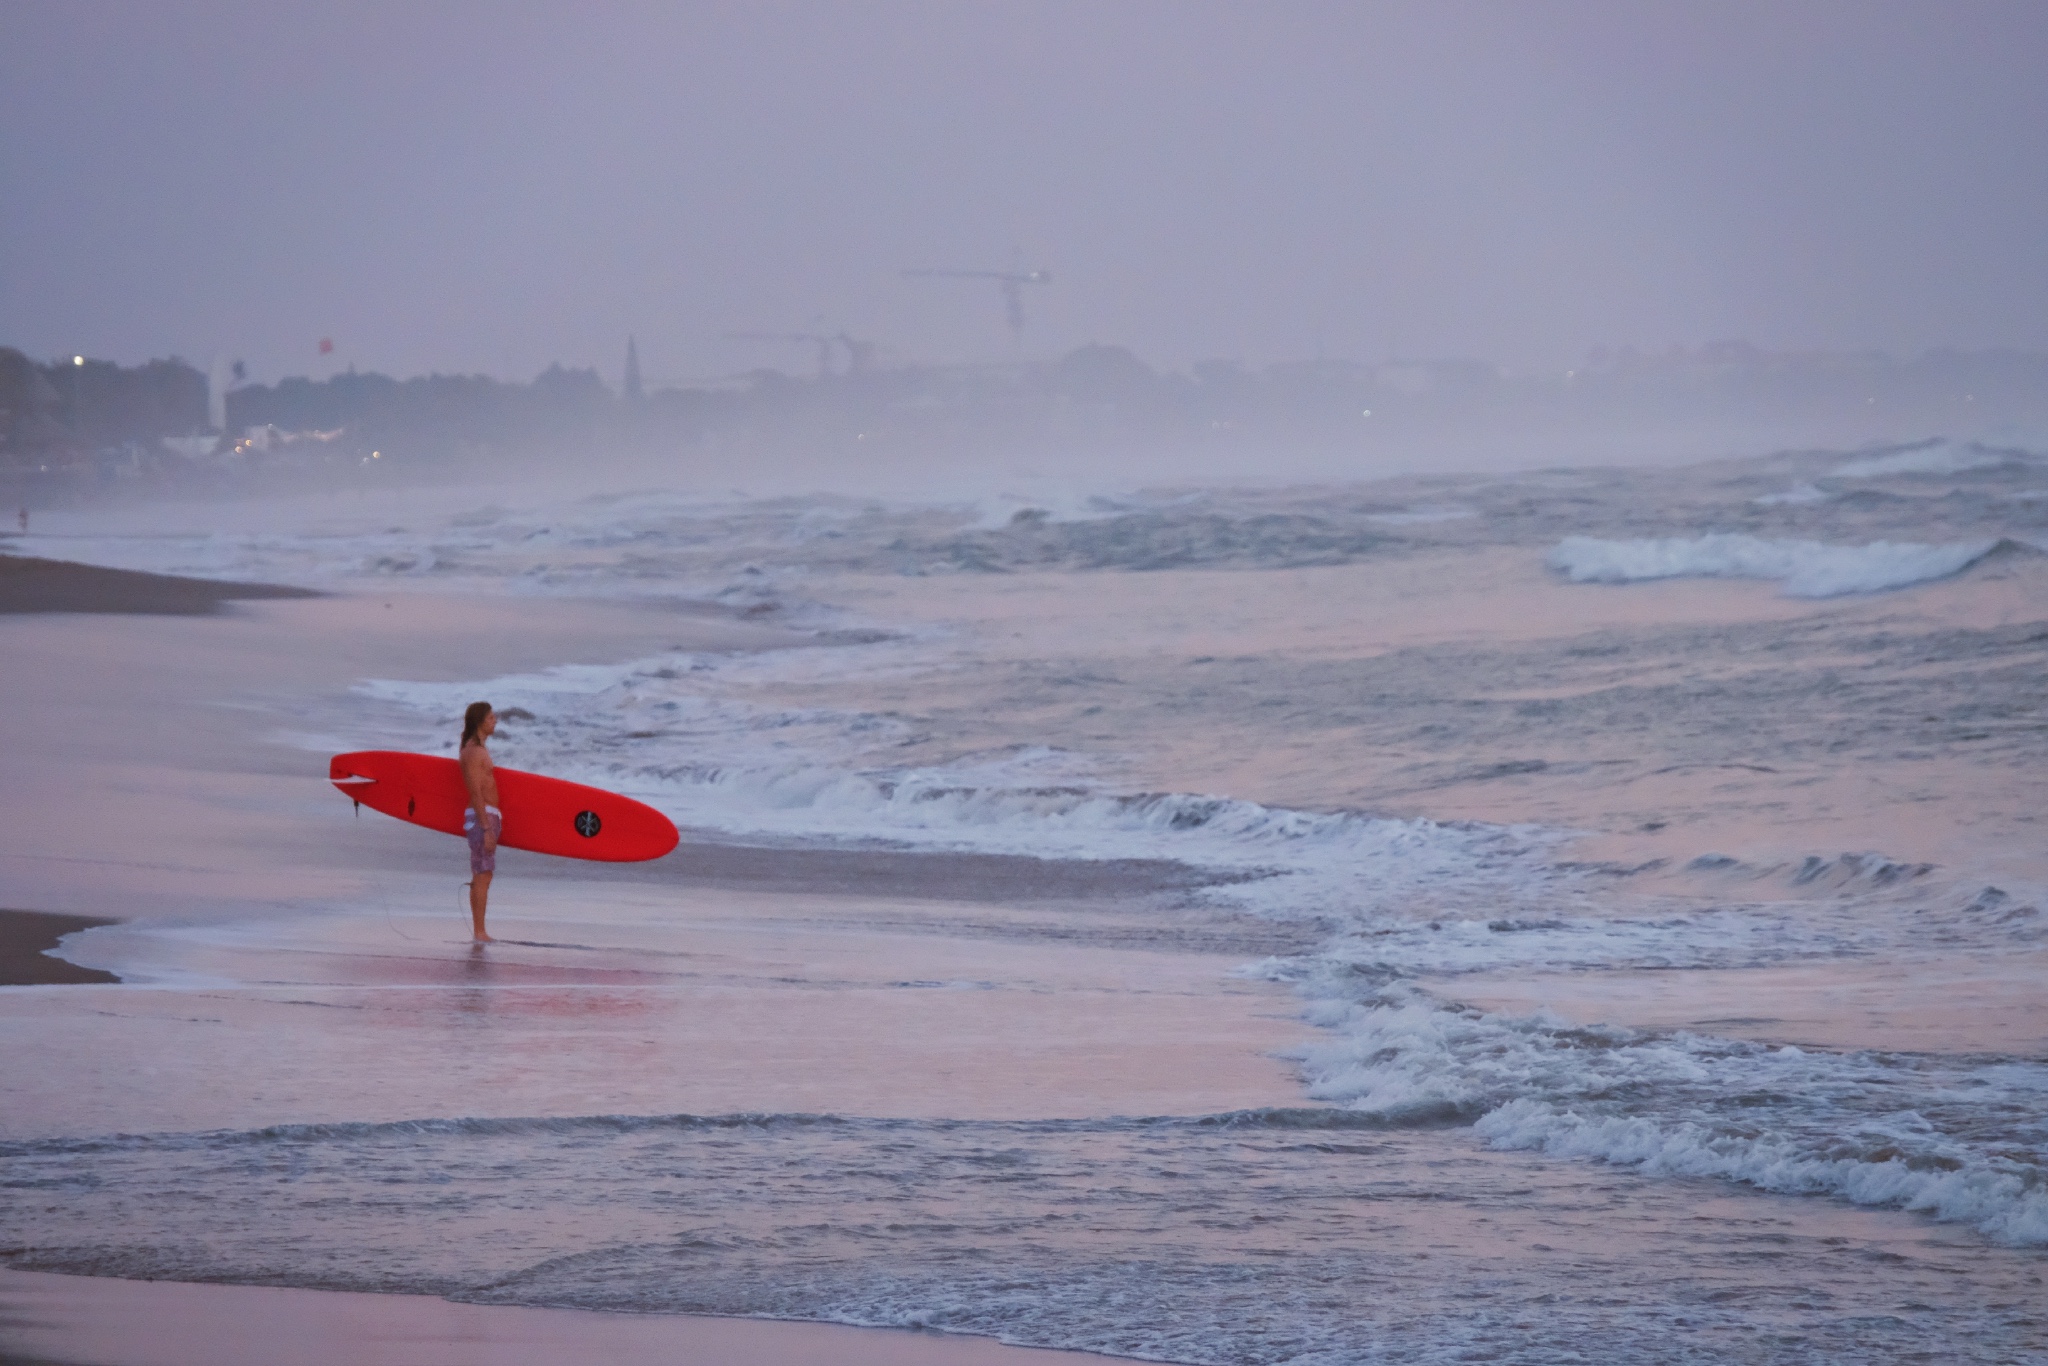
(1299, 1235)
(1770, 718)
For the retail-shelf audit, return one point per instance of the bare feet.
(479, 897)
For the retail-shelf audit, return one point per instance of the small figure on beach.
(24, 519)
(481, 821)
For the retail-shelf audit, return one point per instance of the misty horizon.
(474, 193)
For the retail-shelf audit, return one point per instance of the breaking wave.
(1934, 457)
(1961, 1140)
(1806, 569)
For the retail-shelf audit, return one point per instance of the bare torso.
(480, 777)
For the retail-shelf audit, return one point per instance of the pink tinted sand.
(142, 784)
(670, 1001)
(148, 792)
(149, 1323)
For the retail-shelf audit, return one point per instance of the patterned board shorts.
(480, 859)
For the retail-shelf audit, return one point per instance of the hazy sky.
(494, 186)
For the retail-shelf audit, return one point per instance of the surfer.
(481, 820)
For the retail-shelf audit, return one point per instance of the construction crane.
(1011, 281)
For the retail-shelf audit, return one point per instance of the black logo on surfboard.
(588, 824)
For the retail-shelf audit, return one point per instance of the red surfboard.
(546, 815)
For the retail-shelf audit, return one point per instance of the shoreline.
(26, 937)
(29, 584)
(800, 980)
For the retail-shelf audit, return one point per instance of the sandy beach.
(148, 797)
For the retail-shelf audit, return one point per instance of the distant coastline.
(28, 584)
(76, 429)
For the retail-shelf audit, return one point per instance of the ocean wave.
(1311, 1236)
(1151, 540)
(1807, 569)
(1895, 1165)
(1934, 457)
(1930, 1134)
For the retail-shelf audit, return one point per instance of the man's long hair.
(472, 719)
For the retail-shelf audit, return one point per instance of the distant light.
(376, 455)
(78, 360)
(1367, 413)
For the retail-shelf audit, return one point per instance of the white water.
(1807, 569)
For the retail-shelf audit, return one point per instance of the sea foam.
(1806, 569)
(1929, 1134)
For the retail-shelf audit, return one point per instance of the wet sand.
(28, 584)
(151, 782)
(25, 940)
(625, 999)
(110, 1322)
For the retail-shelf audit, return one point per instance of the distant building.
(633, 391)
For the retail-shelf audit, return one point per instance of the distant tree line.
(83, 405)
(89, 415)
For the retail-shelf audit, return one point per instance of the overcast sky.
(491, 187)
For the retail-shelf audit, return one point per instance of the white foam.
(2001, 1198)
(1855, 1126)
(1807, 569)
